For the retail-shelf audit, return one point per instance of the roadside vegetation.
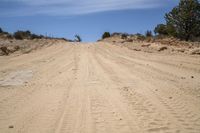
(78, 38)
(21, 35)
(105, 35)
(182, 22)
(23, 41)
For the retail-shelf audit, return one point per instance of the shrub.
(116, 34)
(140, 37)
(124, 36)
(106, 35)
(22, 35)
(148, 33)
(18, 35)
(34, 36)
(78, 38)
(1, 31)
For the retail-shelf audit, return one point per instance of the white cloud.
(74, 7)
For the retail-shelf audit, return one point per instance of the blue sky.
(88, 18)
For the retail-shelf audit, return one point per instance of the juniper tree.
(185, 19)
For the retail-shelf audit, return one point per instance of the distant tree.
(1, 31)
(124, 36)
(22, 35)
(148, 33)
(105, 35)
(184, 19)
(116, 34)
(18, 35)
(27, 33)
(78, 38)
(34, 36)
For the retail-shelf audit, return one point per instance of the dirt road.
(99, 88)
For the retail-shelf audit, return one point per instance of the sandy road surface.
(98, 88)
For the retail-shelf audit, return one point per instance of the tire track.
(175, 109)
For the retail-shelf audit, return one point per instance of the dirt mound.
(10, 46)
(166, 45)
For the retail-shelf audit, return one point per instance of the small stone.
(162, 48)
(170, 97)
(11, 126)
(192, 77)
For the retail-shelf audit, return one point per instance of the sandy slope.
(99, 88)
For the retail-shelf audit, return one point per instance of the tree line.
(20, 35)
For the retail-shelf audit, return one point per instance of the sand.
(99, 88)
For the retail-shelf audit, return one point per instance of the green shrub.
(20, 35)
(34, 36)
(1, 31)
(106, 35)
(148, 33)
(124, 36)
(140, 37)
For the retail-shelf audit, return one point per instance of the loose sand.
(99, 88)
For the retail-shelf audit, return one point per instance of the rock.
(195, 51)
(137, 49)
(11, 126)
(162, 48)
(146, 45)
(192, 77)
(182, 77)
